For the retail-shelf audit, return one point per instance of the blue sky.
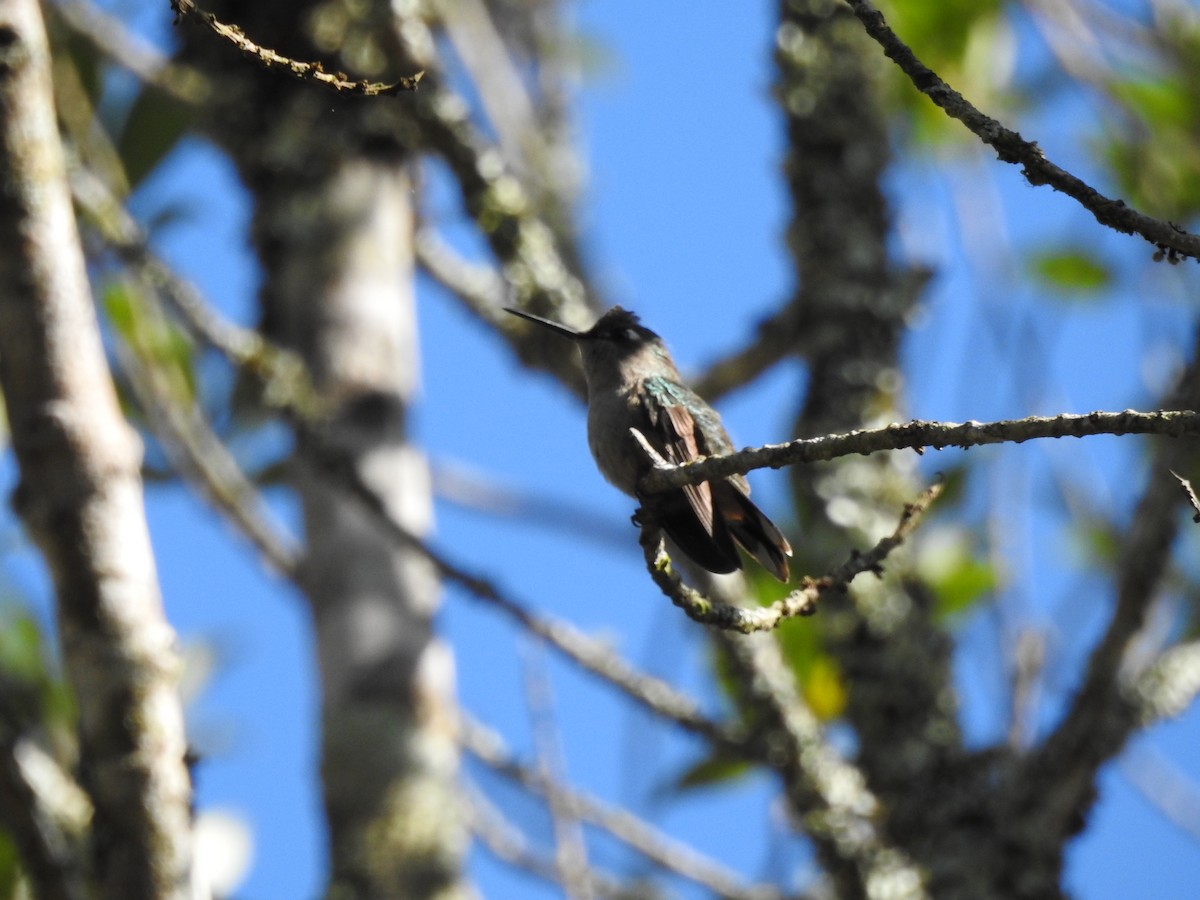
(683, 213)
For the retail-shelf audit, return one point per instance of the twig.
(1169, 238)
(775, 339)
(919, 436)
(505, 100)
(305, 71)
(1164, 785)
(800, 602)
(457, 483)
(1190, 493)
(488, 747)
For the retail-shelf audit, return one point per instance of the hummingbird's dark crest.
(632, 382)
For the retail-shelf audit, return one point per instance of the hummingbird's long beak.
(545, 323)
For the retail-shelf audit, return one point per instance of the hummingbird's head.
(617, 347)
(621, 329)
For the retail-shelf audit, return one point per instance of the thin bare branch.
(1169, 238)
(775, 339)
(286, 382)
(502, 93)
(305, 71)
(1190, 493)
(919, 436)
(1165, 785)
(481, 290)
(461, 485)
(1115, 696)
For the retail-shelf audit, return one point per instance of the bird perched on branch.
(633, 383)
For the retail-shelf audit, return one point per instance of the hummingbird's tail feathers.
(757, 534)
(711, 548)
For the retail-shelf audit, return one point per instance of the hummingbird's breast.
(611, 414)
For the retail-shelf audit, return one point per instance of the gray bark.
(80, 496)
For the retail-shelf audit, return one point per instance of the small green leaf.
(709, 771)
(957, 577)
(21, 650)
(823, 688)
(156, 339)
(154, 126)
(1072, 272)
(10, 868)
(818, 675)
(1163, 102)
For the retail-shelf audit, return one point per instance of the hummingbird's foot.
(643, 516)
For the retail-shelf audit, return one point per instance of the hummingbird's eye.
(630, 335)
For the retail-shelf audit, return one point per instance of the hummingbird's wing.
(678, 430)
(676, 437)
(687, 427)
(687, 515)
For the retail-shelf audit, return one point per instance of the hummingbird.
(632, 382)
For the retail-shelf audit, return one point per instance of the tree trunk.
(333, 226)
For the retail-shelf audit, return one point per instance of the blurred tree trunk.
(333, 228)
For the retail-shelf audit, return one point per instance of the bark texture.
(80, 496)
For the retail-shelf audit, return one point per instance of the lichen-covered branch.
(800, 602)
(920, 436)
